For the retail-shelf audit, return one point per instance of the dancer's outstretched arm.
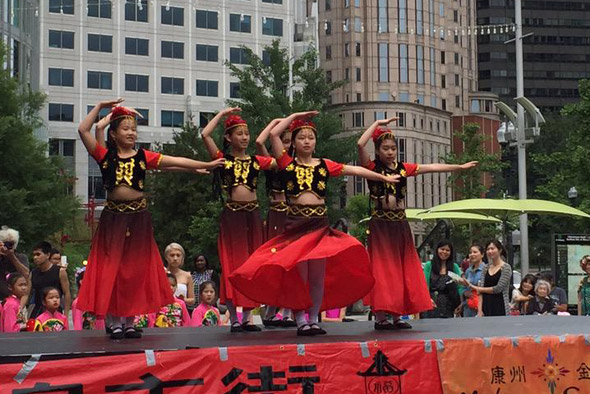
(366, 136)
(368, 174)
(440, 167)
(263, 136)
(208, 130)
(174, 163)
(279, 129)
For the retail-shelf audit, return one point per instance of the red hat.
(234, 121)
(122, 112)
(301, 124)
(381, 132)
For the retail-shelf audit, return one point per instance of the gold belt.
(388, 214)
(279, 206)
(237, 206)
(307, 211)
(127, 206)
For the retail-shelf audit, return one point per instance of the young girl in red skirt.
(240, 227)
(125, 275)
(400, 288)
(310, 266)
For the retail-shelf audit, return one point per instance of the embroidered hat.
(302, 124)
(234, 121)
(122, 112)
(380, 133)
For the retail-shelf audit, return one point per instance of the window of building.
(207, 88)
(95, 187)
(239, 55)
(402, 15)
(61, 77)
(403, 63)
(273, 1)
(383, 62)
(99, 8)
(101, 114)
(204, 118)
(382, 17)
(100, 43)
(136, 83)
(99, 80)
(346, 3)
(444, 104)
(433, 101)
(358, 74)
(240, 23)
(61, 39)
(172, 118)
(401, 122)
(358, 24)
(404, 97)
(328, 27)
(458, 101)
(234, 90)
(456, 56)
(173, 16)
(380, 115)
(136, 11)
(432, 67)
(420, 64)
(457, 81)
(145, 119)
(61, 147)
(137, 46)
(172, 85)
(357, 3)
(419, 18)
(347, 74)
(359, 97)
(455, 16)
(358, 119)
(384, 96)
(61, 112)
(207, 53)
(207, 19)
(357, 48)
(272, 27)
(443, 81)
(328, 5)
(172, 50)
(328, 52)
(265, 57)
(475, 106)
(346, 49)
(61, 7)
(329, 76)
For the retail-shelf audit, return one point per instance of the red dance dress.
(400, 287)
(125, 275)
(240, 229)
(270, 275)
(276, 218)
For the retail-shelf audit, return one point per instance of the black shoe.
(247, 327)
(287, 322)
(402, 325)
(305, 331)
(117, 333)
(236, 327)
(272, 322)
(385, 325)
(108, 330)
(131, 332)
(317, 330)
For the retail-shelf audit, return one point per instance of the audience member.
(444, 292)
(185, 290)
(14, 317)
(472, 276)
(175, 314)
(557, 294)
(584, 288)
(50, 319)
(206, 314)
(55, 257)
(522, 295)
(10, 260)
(334, 315)
(541, 303)
(203, 273)
(494, 285)
(84, 320)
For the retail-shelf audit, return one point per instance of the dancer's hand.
(385, 122)
(306, 114)
(104, 122)
(202, 171)
(111, 103)
(229, 111)
(391, 178)
(213, 164)
(469, 165)
(479, 314)
(433, 303)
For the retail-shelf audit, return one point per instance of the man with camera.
(10, 260)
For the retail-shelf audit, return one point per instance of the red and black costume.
(400, 287)
(277, 212)
(125, 275)
(240, 228)
(270, 275)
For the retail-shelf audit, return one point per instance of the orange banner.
(370, 368)
(521, 365)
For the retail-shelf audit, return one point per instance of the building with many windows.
(18, 30)
(166, 58)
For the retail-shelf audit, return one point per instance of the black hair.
(54, 251)
(79, 278)
(13, 277)
(342, 225)
(480, 248)
(548, 276)
(44, 247)
(387, 136)
(46, 291)
(217, 186)
(206, 260)
(111, 156)
(172, 276)
(206, 283)
(436, 261)
(294, 135)
(532, 279)
(498, 245)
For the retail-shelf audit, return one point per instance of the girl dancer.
(400, 288)
(240, 227)
(310, 266)
(125, 276)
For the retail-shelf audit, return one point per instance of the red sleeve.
(284, 161)
(334, 169)
(412, 169)
(218, 155)
(265, 162)
(153, 159)
(370, 165)
(99, 153)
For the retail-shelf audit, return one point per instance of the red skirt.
(270, 275)
(240, 234)
(276, 219)
(400, 286)
(125, 275)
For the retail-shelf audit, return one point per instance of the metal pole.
(522, 194)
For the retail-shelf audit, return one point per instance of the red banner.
(371, 368)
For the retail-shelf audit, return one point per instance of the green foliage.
(357, 209)
(33, 187)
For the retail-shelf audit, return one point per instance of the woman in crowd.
(472, 276)
(185, 290)
(203, 273)
(494, 285)
(125, 275)
(522, 296)
(309, 266)
(584, 288)
(541, 303)
(444, 291)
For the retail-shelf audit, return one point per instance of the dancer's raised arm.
(279, 129)
(86, 125)
(263, 136)
(366, 136)
(208, 130)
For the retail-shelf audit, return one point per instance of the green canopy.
(456, 217)
(504, 208)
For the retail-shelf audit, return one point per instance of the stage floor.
(17, 346)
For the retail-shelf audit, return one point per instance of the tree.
(33, 187)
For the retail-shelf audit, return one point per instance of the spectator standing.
(584, 288)
(10, 260)
(472, 276)
(185, 289)
(557, 294)
(522, 296)
(542, 303)
(55, 257)
(203, 273)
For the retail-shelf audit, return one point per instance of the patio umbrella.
(455, 216)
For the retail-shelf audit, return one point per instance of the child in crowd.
(51, 319)
(84, 320)
(13, 316)
(175, 314)
(206, 314)
(334, 315)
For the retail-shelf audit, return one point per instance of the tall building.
(556, 55)
(405, 58)
(166, 58)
